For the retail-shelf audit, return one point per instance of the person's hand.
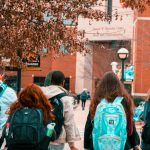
(137, 148)
(1, 77)
(73, 148)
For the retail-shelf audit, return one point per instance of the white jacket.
(69, 132)
(6, 99)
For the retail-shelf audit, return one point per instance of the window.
(11, 81)
(39, 80)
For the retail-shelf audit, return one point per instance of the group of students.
(109, 123)
(24, 131)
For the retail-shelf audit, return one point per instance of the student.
(83, 97)
(26, 127)
(146, 129)
(54, 90)
(7, 97)
(109, 89)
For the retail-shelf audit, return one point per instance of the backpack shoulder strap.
(103, 101)
(3, 87)
(59, 96)
(118, 99)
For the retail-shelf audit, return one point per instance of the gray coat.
(69, 132)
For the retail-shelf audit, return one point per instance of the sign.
(31, 59)
(108, 31)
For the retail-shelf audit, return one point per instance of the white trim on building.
(141, 19)
(139, 94)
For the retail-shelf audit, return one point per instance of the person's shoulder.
(67, 98)
(9, 95)
(67, 101)
(9, 89)
(147, 104)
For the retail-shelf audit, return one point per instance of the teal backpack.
(3, 87)
(109, 132)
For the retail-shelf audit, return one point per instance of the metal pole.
(122, 70)
(18, 74)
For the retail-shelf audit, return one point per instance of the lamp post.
(123, 54)
(18, 73)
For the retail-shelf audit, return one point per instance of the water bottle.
(7, 128)
(50, 129)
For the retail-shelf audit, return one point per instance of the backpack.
(109, 132)
(58, 112)
(83, 95)
(25, 130)
(146, 127)
(3, 87)
(138, 112)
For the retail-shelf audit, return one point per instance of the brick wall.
(29, 73)
(142, 52)
(66, 64)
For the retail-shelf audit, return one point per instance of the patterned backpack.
(109, 132)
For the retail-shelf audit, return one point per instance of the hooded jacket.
(69, 132)
(6, 99)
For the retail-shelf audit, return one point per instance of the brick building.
(141, 53)
(105, 38)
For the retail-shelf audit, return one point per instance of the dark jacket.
(83, 96)
(146, 118)
(132, 140)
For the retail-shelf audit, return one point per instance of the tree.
(31, 25)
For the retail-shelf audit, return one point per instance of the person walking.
(7, 97)
(109, 95)
(83, 97)
(29, 115)
(69, 133)
(146, 128)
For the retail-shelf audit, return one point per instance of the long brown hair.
(109, 88)
(33, 97)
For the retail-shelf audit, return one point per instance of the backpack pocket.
(109, 143)
(23, 136)
(26, 133)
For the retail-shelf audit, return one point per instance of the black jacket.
(132, 140)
